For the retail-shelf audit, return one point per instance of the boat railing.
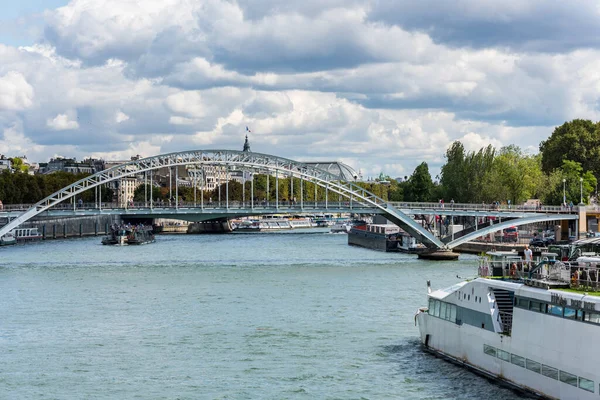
(505, 319)
(582, 276)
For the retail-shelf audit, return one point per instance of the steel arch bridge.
(236, 160)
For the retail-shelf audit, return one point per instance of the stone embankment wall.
(54, 228)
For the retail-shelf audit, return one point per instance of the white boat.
(521, 327)
(7, 239)
(26, 234)
(265, 224)
(341, 227)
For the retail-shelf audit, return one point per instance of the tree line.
(565, 169)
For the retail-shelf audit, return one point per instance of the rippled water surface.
(294, 315)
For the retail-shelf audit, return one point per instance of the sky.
(380, 85)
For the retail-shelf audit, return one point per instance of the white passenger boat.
(26, 234)
(521, 326)
(341, 227)
(7, 239)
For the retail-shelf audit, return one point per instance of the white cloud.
(320, 79)
(62, 123)
(15, 92)
(121, 117)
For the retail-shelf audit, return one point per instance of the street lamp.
(581, 190)
(564, 191)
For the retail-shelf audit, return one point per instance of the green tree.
(577, 140)
(463, 176)
(17, 164)
(579, 184)
(420, 185)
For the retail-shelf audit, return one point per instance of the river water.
(291, 315)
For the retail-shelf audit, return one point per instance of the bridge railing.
(484, 207)
(223, 204)
(319, 204)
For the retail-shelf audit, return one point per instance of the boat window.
(580, 314)
(523, 303)
(535, 306)
(503, 355)
(437, 308)
(550, 372)
(453, 313)
(555, 310)
(592, 317)
(568, 378)
(449, 311)
(489, 350)
(570, 313)
(586, 384)
(533, 365)
(443, 310)
(517, 360)
(431, 306)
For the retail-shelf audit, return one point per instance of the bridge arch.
(531, 219)
(241, 160)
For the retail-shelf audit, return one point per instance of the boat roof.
(519, 289)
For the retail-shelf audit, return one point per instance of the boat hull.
(465, 344)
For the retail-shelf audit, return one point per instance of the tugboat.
(129, 235)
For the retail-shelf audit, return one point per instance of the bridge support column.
(582, 222)
(54, 231)
(176, 188)
(277, 189)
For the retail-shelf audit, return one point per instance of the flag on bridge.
(248, 130)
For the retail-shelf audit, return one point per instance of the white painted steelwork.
(241, 160)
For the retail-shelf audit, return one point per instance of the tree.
(139, 194)
(419, 186)
(579, 184)
(17, 164)
(577, 140)
(463, 176)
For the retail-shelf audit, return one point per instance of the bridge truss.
(236, 161)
